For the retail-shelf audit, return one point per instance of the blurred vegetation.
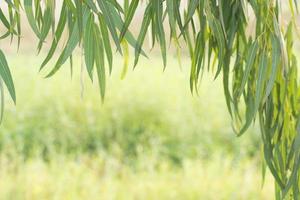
(150, 139)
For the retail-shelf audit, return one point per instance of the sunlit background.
(150, 138)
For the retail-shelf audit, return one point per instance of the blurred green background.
(150, 139)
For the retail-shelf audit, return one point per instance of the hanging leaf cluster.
(246, 43)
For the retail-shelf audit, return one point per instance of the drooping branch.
(258, 67)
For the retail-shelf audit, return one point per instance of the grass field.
(150, 139)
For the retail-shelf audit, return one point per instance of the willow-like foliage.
(247, 43)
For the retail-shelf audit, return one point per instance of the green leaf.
(78, 4)
(47, 21)
(70, 46)
(110, 23)
(88, 43)
(126, 59)
(128, 35)
(252, 53)
(3, 19)
(30, 17)
(99, 60)
(158, 7)
(58, 33)
(106, 41)
(142, 34)
(261, 78)
(275, 63)
(192, 6)
(131, 11)
(92, 5)
(6, 76)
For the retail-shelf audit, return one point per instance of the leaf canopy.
(258, 65)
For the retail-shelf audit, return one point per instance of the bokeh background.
(150, 139)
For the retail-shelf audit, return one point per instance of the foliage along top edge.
(258, 67)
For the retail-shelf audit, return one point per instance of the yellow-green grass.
(106, 178)
(150, 139)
